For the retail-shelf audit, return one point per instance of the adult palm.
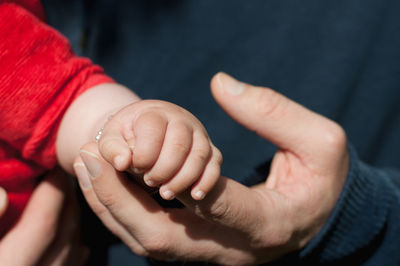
(234, 224)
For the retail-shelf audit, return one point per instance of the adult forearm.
(86, 115)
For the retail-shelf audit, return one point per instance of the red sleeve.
(39, 79)
(32, 6)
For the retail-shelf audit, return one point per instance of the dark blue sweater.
(339, 58)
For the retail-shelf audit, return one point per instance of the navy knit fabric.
(339, 58)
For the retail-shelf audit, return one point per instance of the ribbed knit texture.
(39, 79)
(358, 218)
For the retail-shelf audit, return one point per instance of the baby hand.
(164, 142)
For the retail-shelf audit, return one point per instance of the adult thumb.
(273, 116)
(3, 201)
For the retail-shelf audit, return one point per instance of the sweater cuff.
(358, 217)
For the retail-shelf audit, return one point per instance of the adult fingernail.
(91, 162)
(82, 174)
(230, 84)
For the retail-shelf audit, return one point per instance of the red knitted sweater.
(39, 79)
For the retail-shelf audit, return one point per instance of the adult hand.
(48, 231)
(234, 224)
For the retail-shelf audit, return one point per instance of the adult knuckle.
(108, 199)
(272, 239)
(158, 244)
(335, 137)
(269, 103)
(137, 249)
(217, 211)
